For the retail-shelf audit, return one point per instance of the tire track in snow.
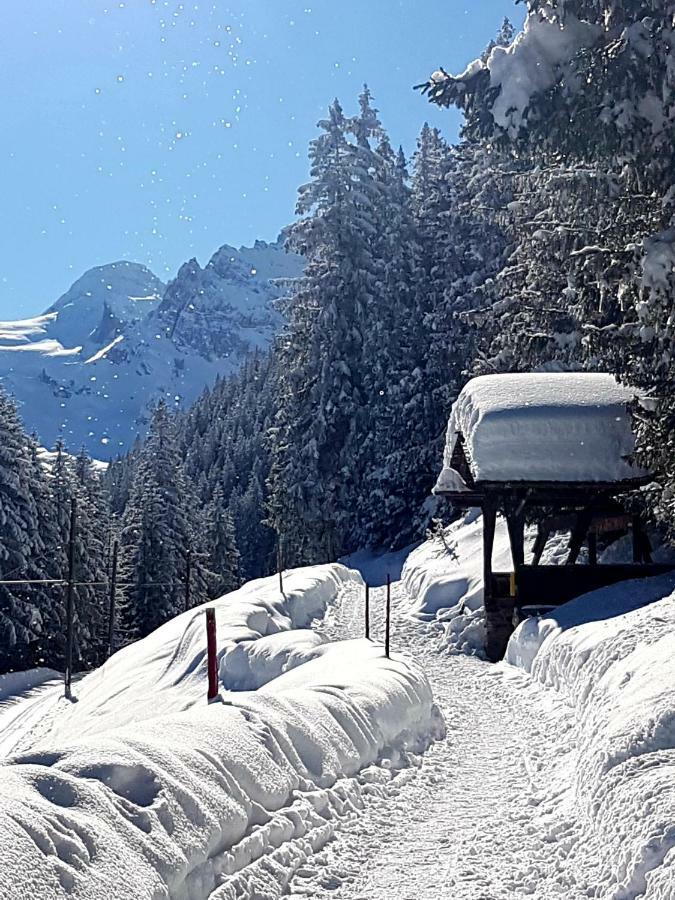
(490, 813)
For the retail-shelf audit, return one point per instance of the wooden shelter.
(555, 450)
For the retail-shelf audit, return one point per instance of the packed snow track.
(488, 815)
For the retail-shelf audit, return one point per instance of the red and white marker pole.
(212, 653)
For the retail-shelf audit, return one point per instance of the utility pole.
(387, 618)
(113, 590)
(188, 577)
(70, 602)
(367, 611)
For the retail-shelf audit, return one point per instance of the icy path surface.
(489, 815)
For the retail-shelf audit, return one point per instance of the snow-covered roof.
(541, 427)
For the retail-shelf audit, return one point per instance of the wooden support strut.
(642, 548)
(592, 548)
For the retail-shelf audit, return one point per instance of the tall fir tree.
(26, 616)
(224, 556)
(157, 532)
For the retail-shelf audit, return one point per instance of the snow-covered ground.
(142, 789)
(327, 771)
(554, 784)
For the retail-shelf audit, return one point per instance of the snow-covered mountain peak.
(119, 339)
(103, 301)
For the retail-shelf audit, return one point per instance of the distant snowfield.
(328, 771)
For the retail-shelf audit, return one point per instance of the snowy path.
(488, 816)
(26, 706)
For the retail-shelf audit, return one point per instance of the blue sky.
(157, 130)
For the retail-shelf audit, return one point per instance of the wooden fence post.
(367, 611)
(387, 618)
(212, 654)
(113, 590)
(70, 603)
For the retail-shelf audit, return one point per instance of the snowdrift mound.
(444, 576)
(171, 662)
(143, 790)
(611, 655)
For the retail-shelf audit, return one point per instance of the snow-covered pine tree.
(25, 614)
(224, 558)
(157, 531)
(93, 538)
(504, 38)
(254, 538)
(393, 348)
(322, 404)
(582, 109)
(49, 648)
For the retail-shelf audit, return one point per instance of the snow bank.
(444, 578)
(611, 655)
(542, 427)
(171, 662)
(141, 789)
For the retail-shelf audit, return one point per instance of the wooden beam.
(642, 548)
(497, 617)
(489, 525)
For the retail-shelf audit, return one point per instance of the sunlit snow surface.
(546, 427)
(611, 655)
(538, 58)
(554, 778)
(140, 789)
(557, 783)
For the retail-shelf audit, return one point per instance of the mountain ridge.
(88, 369)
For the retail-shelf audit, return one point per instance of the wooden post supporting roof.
(592, 548)
(579, 533)
(498, 626)
(515, 522)
(543, 532)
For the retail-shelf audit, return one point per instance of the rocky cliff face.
(88, 370)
